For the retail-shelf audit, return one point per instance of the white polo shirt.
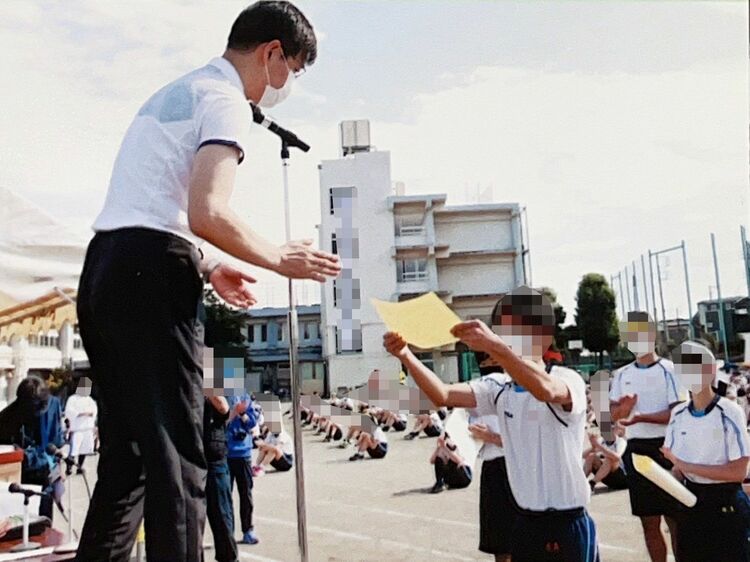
(149, 183)
(656, 386)
(543, 443)
(718, 435)
(283, 441)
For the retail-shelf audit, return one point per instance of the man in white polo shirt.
(143, 278)
(642, 395)
(542, 423)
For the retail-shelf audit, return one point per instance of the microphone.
(287, 136)
(16, 488)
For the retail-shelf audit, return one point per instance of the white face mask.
(522, 345)
(274, 96)
(639, 348)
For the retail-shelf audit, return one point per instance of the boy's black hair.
(526, 307)
(34, 394)
(267, 20)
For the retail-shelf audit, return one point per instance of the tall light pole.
(721, 304)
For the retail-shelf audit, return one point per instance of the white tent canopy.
(37, 253)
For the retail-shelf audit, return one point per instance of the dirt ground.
(378, 510)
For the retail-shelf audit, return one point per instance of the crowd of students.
(550, 443)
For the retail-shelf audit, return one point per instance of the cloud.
(609, 164)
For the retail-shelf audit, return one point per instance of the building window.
(412, 269)
(282, 331)
(334, 245)
(335, 300)
(330, 200)
(263, 333)
(309, 330)
(251, 333)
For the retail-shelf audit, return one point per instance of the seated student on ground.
(604, 460)
(375, 443)
(334, 432)
(393, 420)
(352, 435)
(277, 450)
(451, 469)
(431, 424)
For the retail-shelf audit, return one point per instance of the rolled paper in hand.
(664, 479)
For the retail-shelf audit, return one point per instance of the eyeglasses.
(297, 73)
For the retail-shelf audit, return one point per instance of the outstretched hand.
(299, 260)
(229, 284)
(477, 335)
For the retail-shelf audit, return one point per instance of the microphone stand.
(294, 376)
(26, 544)
(290, 140)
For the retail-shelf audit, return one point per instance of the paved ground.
(377, 510)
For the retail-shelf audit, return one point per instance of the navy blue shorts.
(432, 431)
(646, 498)
(497, 509)
(555, 536)
(379, 451)
(717, 527)
(283, 463)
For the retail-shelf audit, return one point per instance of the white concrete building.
(394, 247)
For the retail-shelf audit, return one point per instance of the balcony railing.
(408, 276)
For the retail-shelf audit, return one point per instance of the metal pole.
(528, 245)
(645, 286)
(294, 377)
(635, 287)
(745, 256)
(721, 304)
(627, 289)
(622, 300)
(661, 300)
(687, 290)
(653, 291)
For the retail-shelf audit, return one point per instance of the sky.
(621, 126)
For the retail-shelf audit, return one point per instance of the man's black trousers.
(137, 306)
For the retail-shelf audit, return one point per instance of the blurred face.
(639, 336)
(526, 341)
(695, 366)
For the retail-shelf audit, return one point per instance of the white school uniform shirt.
(718, 435)
(149, 183)
(283, 441)
(82, 427)
(543, 443)
(656, 386)
(379, 435)
(490, 451)
(436, 421)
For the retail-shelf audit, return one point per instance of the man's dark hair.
(267, 20)
(526, 307)
(32, 388)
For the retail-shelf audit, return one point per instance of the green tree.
(596, 315)
(224, 325)
(560, 315)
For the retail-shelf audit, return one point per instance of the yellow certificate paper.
(425, 321)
